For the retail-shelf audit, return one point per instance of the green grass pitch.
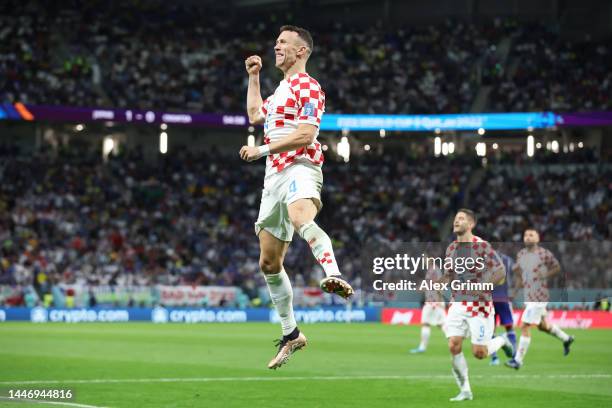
(344, 365)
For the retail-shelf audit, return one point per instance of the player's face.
(531, 237)
(288, 46)
(462, 224)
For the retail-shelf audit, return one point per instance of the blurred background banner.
(569, 319)
(331, 122)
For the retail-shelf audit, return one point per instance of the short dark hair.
(471, 214)
(303, 33)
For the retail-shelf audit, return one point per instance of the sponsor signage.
(570, 319)
(184, 315)
(330, 122)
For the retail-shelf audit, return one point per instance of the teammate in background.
(503, 306)
(471, 312)
(534, 266)
(291, 196)
(433, 313)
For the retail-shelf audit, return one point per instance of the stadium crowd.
(188, 219)
(548, 72)
(178, 57)
(566, 203)
(73, 219)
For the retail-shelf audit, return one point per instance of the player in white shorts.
(471, 311)
(534, 266)
(291, 197)
(433, 312)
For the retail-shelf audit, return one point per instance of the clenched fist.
(248, 153)
(253, 64)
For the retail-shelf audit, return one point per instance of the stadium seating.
(192, 62)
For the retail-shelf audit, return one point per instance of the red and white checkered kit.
(297, 99)
(474, 303)
(534, 265)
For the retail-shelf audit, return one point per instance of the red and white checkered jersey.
(434, 297)
(485, 259)
(534, 265)
(297, 99)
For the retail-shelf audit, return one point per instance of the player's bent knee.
(269, 264)
(480, 352)
(301, 212)
(454, 346)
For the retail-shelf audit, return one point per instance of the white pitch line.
(65, 404)
(303, 378)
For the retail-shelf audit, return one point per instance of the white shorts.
(534, 312)
(462, 324)
(433, 315)
(281, 189)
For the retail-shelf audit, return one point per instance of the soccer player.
(534, 266)
(471, 312)
(503, 306)
(291, 196)
(433, 313)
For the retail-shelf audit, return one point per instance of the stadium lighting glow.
(163, 143)
(366, 148)
(451, 148)
(444, 149)
(530, 146)
(163, 126)
(251, 141)
(79, 127)
(554, 146)
(382, 133)
(108, 144)
(538, 145)
(580, 145)
(481, 131)
(437, 146)
(495, 146)
(344, 149)
(481, 149)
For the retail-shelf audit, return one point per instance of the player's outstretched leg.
(302, 213)
(460, 370)
(521, 351)
(293, 340)
(281, 293)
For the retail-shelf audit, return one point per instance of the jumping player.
(534, 266)
(291, 196)
(471, 311)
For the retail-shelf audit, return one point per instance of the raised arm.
(254, 101)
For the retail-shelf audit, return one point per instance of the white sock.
(522, 348)
(425, 332)
(495, 344)
(460, 372)
(281, 294)
(558, 333)
(321, 247)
